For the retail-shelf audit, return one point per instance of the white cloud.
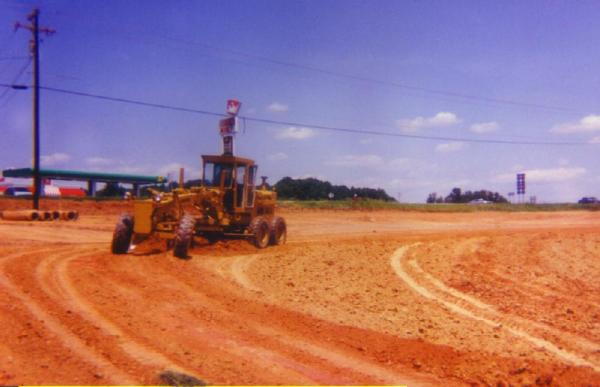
(557, 174)
(99, 161)
(277, 107)
(595, 140)
(563, 162)
(589, 123)
(366, 141)
(454, 146)
(357, 161)
(484, 127)
(401, 163)
(55, 158)
(294, 133)
(544, 175)
(441, 119)
(277, 156)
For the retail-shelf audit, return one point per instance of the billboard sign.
(227, 126)
(520, 183)
(233, 106)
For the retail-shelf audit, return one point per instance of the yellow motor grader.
(226, 204)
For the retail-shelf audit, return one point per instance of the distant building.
(47, 190)
(72, 192)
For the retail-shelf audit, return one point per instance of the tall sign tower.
(228, 127)
(521, 186)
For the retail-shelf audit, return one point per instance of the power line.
(130, 101)
(3, 58)
(444, 94)
(307, 125)
(4, 44)
(15, 80)
(415, 136)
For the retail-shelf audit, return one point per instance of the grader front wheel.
(184, 236)
(122, 235)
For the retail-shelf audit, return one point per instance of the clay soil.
(382, 297)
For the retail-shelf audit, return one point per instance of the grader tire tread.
(259, 229)
(122, 235)
(277, 231)
(184, 237)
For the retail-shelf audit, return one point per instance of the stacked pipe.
(29, 215)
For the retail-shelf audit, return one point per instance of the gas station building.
(91, 178)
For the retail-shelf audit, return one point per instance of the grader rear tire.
(212, 237)
(278, 231)
(184, 237)
(259, 228)
(122, 235)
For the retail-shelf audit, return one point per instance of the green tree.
(457, 196)
(315, 189)
(111, 190)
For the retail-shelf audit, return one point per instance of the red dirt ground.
(379, 297)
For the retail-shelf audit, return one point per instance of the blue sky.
(182, 53)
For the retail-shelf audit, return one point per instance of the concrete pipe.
(68, 215)
(55, 215)
(44, 215)
(21, 215)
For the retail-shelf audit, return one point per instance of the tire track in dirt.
(513, 321)
(50, 277)
(545, 291)
(271, 360)
(218, 340)
(238, 269)
(238, 266)
(44, 278)
(564, 337)
(138, 352)
(397, 262)
(68, 338)
(344, 360)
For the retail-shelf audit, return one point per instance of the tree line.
(287, 188)
(457, 196)
(315, 189)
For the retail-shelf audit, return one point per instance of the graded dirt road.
(354, 297)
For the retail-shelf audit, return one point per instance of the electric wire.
(443, 94)
(3, 58)
(14, 81)
(5, 52)
(309, 125)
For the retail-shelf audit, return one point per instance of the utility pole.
(34, 47)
